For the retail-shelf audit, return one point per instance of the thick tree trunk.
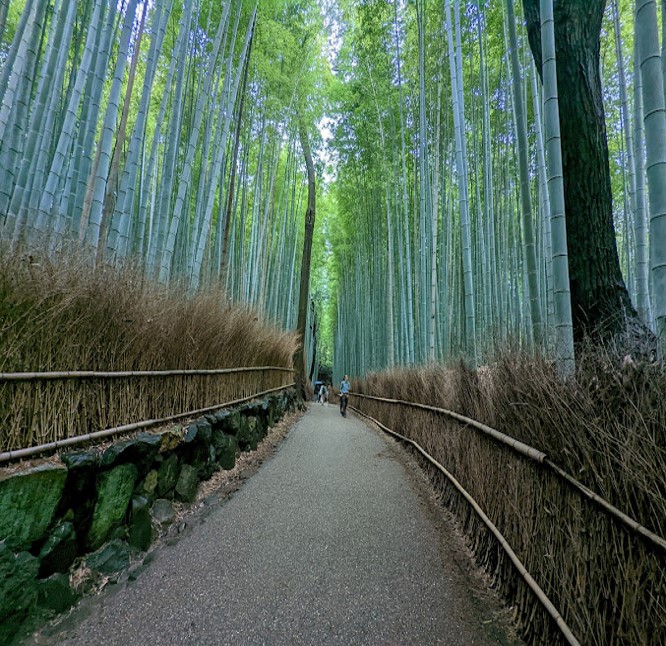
(305, 265)
(600, 301)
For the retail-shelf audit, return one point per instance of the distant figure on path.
(345, 387)
(323, 394)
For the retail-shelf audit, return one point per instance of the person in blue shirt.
(345, 387)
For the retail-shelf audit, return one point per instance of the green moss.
(28, 501)
(114, 490)
(18, 590)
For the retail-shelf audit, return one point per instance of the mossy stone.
(205, 430)
(262, 427)
(171, 439)
(55, 593)
(150, 483)
(225, 449)
(113, 557)
(114, 490)
(233, 422)
(141, 525)
(167, 475)
(163, 512)
(140, 451)
(18, 590)
(220, 419)
(191, 433)
(248, 437)
(81, 459)
(188, 483)
(59, 551)
(28, 500)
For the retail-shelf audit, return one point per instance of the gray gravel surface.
(331, 542)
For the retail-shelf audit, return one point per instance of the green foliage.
(351, 67)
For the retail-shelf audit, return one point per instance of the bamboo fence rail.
(44, 408)
(538, 456)
(92, 374)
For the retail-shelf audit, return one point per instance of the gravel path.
(331, 542)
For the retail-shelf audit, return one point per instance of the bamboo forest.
(333, 322)
(172, 135)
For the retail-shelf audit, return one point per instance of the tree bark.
(305, 265)
(600, 302)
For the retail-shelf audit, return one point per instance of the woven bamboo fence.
(605, 577)
(39, 408)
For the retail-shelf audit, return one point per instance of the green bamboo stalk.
(647, 36)
(564, 347)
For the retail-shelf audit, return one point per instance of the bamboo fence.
(43, 408)
(603, 571)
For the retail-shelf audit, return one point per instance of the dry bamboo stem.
(516, 445)
(59, 444)
(613, 511)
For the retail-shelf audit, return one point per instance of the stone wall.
(98, 508)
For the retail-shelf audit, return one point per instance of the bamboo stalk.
(126, 428)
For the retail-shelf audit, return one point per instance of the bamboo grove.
(168, 135)
(162, 134)
(444, 183)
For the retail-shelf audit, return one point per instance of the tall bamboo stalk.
(647, 36)
(564, 347)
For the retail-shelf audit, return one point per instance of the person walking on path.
(323, 394)
(345, 387)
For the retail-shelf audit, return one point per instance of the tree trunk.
(525, 197)
(600, 301)
(455, 65)
(629, 169)
(90, 227)
(307, 256)
(4, 8)
(405, 202)
(640, 215)
(425, 213)
(112, 180)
